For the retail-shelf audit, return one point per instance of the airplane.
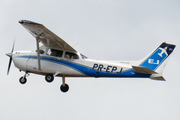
(56, 58)
(163, 51)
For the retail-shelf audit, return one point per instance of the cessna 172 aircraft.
(57, 58)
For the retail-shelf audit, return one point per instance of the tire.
(49, 78)
(64, 88)
(23, 80)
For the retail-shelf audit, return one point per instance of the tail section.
(155, 62)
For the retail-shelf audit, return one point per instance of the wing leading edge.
(48, 38)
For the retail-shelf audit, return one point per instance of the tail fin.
(155, 62)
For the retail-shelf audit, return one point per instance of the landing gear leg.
(64, 87)
(23, 79)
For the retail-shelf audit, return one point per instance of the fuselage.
(64, 63)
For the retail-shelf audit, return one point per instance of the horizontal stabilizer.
(143, 70)
(158, 78)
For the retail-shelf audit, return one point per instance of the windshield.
(83, 56)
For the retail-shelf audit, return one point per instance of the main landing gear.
(64, 87)
(49, 78)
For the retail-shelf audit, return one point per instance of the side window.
(41, 51)
(69, 55)
(56, 53)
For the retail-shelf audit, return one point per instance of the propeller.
(10, 60)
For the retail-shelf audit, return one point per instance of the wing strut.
(38, 54)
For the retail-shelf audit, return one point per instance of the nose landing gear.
(23, 79)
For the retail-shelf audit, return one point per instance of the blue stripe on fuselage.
(88, 70)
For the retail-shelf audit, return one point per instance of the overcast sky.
(104, 30)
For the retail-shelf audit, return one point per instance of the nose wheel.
(23, 79)
(64, 87)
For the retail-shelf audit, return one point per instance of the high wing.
(48, 38)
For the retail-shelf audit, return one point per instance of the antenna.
(75, 44)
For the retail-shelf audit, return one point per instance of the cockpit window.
(69, 55)
(42, 49)
(56, 53)
(83, 56)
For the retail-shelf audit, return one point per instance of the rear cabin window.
(69, 55)
(56, 53)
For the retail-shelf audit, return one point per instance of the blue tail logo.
(163, 51)
(158, 56)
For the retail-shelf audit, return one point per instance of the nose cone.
(9, 54)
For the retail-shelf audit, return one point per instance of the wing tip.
(27, 22)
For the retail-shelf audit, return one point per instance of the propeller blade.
(10, 61)
(13, 47)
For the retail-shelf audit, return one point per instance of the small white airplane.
(163, 51)
(57, 58)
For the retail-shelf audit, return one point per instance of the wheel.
(64, 88)
(49, 78)
(23, 80)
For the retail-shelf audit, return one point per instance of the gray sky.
(111, 30)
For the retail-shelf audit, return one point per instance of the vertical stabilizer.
(158, 59)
